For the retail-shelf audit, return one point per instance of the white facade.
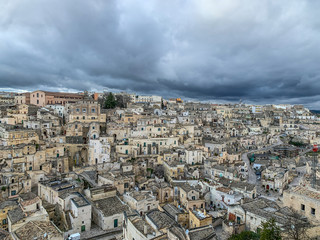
(257, 109)
(58, 109)
(99, 151)
(81, 215)
(146, 99)
(194, 156)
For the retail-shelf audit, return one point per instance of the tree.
(245, 235)
(296, 226)
(122, 101)
(110, 102)
(270, 231)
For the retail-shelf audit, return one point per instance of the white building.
(194, 156)
(58, 109)
(146, 99)
(99, 151)
(257, 109)
(80, 214)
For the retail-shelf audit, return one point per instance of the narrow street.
(252, 178)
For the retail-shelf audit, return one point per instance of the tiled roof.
(202, 233)
(111, 206)
(38, 230)
(306, 192)
(16, 215)
(160, 219)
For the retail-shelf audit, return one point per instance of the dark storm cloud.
(264, 51)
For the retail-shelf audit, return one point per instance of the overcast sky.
(259, 51)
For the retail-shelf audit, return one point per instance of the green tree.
(110, 102)
(245, 235)
(270, 231)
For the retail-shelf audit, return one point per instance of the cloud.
(259, 51)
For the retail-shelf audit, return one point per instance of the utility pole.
(314, 165)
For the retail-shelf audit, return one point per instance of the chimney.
(145, 229)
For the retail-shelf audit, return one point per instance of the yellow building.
(10, 135)
(20, 113)
(197, 218)
(6, 206)
(173, 170)
(85, 112)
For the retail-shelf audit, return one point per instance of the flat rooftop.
(80, 201)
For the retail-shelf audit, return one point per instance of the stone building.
(305, 200)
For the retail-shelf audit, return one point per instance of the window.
(193, 198)
(84, 110)
(313, 211)
(78, 110)
(126, 185)
(4, 221)
(115, 223)
(37, 94)
(303, 207)
(93, 110)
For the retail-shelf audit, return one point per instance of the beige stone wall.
(295, 201)
(195, 222)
